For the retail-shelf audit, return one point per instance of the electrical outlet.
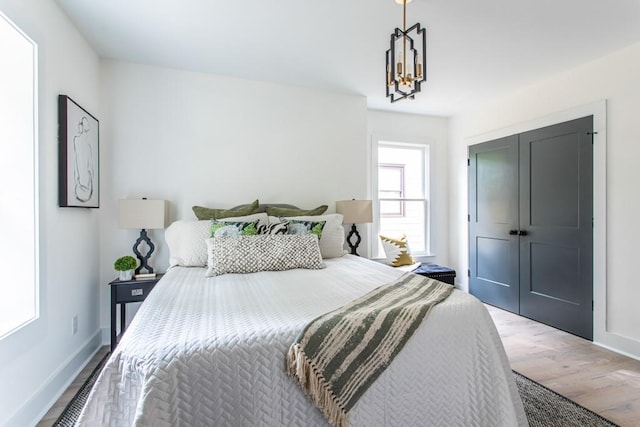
(74, 325)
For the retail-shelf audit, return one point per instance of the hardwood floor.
(52, 415)
(601, 380)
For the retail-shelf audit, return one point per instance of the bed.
(209, 351)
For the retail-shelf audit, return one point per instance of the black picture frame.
(78, 156)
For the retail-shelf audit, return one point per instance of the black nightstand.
(123, 292)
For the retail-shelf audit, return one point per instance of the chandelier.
(406, 59)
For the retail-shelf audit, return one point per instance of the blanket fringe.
(300, 367)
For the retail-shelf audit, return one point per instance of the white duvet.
(210, 352)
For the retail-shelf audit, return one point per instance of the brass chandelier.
(406, 59)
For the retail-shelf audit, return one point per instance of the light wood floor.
(601, 380)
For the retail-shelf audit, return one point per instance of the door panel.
(556, 210)
(530, 224)
(493, 196)
(554, 199)
(562, 263)
(491, 253)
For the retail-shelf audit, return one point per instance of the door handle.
(522, 232)
(513, 232)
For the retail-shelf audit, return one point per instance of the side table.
(123, 292)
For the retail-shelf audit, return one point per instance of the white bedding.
(210, 352)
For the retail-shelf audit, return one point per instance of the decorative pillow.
(209, 213)
(264, 252)
(397, 251)
(332, 240)
(233, 228)
(275, 228)
(186, 239)
(263, 207)
(288, 212)
(261, 218)
(306, 227)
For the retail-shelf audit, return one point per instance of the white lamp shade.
(355, 211)
(142, 213)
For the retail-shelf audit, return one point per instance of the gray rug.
(544, 407)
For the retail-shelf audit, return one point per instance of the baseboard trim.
(620, 344)
(106, 336)
(52, 388)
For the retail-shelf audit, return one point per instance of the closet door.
(493, 222)
(556, 211)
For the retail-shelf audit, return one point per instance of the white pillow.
(262, 252)
(186, 239)
(332, 240)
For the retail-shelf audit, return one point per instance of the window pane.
(391, 178)
(391, 186)
(412, 160)
(391, 208)
(17, 167)
(412, 224)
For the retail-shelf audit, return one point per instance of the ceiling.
(476, 50)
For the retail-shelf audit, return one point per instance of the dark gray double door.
(531, 224)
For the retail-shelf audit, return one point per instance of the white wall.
(612, 78)
(432, 131)
(37, 361)
(198, 139)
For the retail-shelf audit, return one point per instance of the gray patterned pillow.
(264, 252)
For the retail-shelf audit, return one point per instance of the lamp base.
(143, 258)
(354, 246)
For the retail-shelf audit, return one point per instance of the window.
(18, 166)
(391, 186)
(400, 192)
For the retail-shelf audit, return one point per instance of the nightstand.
(123, 292)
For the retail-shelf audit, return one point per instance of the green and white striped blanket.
(341, 353)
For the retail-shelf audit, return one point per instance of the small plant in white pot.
(125, 266)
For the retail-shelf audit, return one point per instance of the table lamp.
(145, 215)
(355, 212)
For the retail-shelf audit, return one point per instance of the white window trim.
(404, 141)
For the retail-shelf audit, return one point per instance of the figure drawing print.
(83, 171)
(79, 155)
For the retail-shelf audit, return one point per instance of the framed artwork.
(78, 142)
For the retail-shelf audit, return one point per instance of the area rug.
(544, 407)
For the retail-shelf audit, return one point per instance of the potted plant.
(125, 266)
